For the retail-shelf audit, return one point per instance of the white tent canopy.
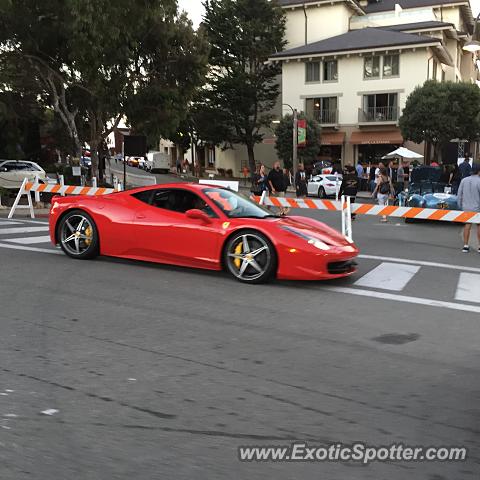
(402, 152)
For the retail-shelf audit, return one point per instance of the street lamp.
(295, 139)
(473, 45)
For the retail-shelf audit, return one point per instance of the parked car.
(13, 172)
(324, 186)
(427, 191)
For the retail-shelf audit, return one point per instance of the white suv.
(13, 172)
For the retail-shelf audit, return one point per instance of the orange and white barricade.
(61, 189)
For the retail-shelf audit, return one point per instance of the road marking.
(405, 298)
(468, 288)
(30, 240)
(30, 249)
(20, 230)
(422, 263)
(388, 276)
(8, 222)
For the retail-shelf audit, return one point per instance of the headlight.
(319, 244)
(311, 240)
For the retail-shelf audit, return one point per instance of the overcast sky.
(194, 8)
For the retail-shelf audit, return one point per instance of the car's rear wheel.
(78, 235)
(250, 257)
(322, 193)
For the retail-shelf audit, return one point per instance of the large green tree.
(96, 62)
(242, 87)
(284, 143)
(439, 112)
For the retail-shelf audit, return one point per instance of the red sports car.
(200, 226)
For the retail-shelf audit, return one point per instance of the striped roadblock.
(66, 189)
(36, 187)
(377, 210)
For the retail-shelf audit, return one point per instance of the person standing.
(301, 181)
(464, 168)
(259, 181)
(276, 184)
(383, 190)
(400, 183)
(468, 199)
(360, 172)
(350, 184)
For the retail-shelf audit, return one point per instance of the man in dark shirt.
(465, 168)
(276, 184)
(349, 186)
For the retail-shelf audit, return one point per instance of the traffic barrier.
(36, 187)
(377, 210)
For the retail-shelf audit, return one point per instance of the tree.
(439, 112)
(96, 61)
(284, 143)
(242, 87)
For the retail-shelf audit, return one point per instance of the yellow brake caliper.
(88, 234)
(238, 251)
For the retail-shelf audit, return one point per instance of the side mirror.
(196, 214)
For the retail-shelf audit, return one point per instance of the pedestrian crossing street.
(380, 277)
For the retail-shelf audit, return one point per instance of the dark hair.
(383, 171)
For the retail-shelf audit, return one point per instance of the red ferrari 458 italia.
(200, 226)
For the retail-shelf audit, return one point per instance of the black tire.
(321, 193)
(86, 245)
(258, 269)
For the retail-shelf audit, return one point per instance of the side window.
(176, 200)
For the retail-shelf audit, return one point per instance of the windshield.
(235, 205)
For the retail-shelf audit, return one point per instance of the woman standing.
(383, 190)
(259, 181)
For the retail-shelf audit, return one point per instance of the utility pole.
(295, 141)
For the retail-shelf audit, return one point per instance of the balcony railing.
(326, 117)
(378, 114)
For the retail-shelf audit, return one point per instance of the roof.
(386, 5)
(364, 39)
(407, 27)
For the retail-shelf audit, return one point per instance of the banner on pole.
(302, 132)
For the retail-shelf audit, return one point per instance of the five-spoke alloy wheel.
(78, 236)
(250, 257)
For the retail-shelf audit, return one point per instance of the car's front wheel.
(78, 235)
(250, 257)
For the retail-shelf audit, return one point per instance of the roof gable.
(364, 39)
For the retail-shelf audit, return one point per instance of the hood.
(314, 229)
(426, 174)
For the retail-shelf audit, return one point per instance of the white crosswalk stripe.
(20, 230)
(388, 276)
(29, 240)
(468, 288)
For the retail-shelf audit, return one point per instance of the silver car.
(13, 172)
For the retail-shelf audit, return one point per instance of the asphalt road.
(156, 372)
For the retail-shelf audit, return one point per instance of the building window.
(372, 67)
(380, 107)
(325, 110)
(312, 71)
(330, 71)
(391, 65)
(211, 156)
